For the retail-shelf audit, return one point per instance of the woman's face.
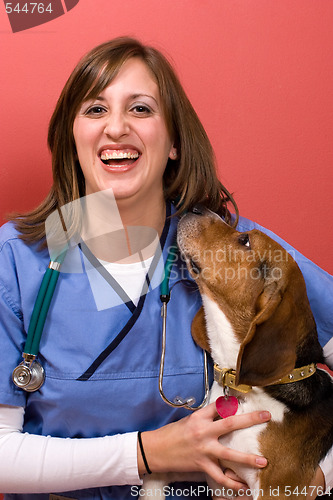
(121, 137)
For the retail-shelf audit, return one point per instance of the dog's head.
(259, 288)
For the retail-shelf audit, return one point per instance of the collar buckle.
(226, 377)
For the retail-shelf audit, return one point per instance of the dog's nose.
(198, 210)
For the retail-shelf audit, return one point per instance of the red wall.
(259, 73)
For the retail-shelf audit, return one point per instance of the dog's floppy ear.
(198, 330)
(268, 350)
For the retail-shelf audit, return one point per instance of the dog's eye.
(194, 267)
(244, 240)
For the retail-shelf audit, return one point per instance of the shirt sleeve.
(326, 466)
(12, 331)
(12, 338)
(328, 353)
(62, 464)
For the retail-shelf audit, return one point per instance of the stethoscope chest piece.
(29, 376)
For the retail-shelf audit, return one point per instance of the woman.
(123, 123)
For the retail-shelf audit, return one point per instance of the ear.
(199, 332)
(268, 351)
(173, 155)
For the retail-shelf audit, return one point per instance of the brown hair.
(190, 179)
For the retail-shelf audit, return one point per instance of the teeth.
(115, 155)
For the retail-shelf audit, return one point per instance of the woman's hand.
(317, 486)
(191, 444)
(241, 490)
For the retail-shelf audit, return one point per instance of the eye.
(95, 111)
(194, 267)
(244, 240)
(141, 109)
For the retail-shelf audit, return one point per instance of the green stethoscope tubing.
(41, 307)
(172, 254)
(31, 372)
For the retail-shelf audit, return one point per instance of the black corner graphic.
(24, 15)
(70, 4)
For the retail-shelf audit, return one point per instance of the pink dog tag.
(226, 406)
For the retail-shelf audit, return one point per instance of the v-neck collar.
(99, 267)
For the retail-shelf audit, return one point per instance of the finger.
(229, 424)
(245, 493)
(222, 498)
(228, 454)
(230, 473)
(209, 411)
(243, 489)
(224, 482)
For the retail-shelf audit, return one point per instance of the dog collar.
(226, 377)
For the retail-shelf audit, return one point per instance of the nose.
(116, 125)
(203, 211)
(198, 209)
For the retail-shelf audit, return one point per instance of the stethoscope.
(29, 375)
(178, 402)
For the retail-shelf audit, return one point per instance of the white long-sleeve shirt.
(62, 464)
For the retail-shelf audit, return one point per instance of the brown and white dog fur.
(256, 319)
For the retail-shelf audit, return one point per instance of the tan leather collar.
(226, 377)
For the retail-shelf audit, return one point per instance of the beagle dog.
(257, 324)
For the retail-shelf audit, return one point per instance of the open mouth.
(119, 158)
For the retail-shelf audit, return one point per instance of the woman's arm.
(61, 464)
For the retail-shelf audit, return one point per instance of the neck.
(120, 230)
(149, 213)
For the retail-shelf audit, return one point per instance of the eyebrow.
(133, 96)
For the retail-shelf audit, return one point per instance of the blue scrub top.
(102, 365)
